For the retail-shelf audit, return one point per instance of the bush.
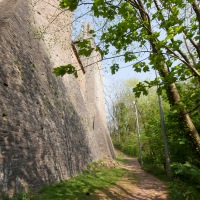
(179, 190)
(128, 147)
(187, 172)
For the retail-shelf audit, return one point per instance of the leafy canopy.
(149, 35)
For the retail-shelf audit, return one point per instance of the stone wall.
(49, 128)
(93, 91)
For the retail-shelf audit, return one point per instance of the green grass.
(120, 158)
(20, 196)
(83, 186)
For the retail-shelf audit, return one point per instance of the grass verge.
(83, 186)
(120, 158)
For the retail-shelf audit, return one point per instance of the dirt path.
(145, 187)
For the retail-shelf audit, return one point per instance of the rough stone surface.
(50, 127)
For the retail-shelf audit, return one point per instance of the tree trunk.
(172, 92)
(174, 99)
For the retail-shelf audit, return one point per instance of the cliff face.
(50, 128)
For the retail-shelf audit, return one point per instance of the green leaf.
(70, 4)
(129, 56)
(139, 89)
(85, 48)
(67, 69)
(101, 9)
(114, 68)
(91, 31)
(137, 67)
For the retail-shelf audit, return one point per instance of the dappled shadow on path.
(134, 184)
(145, 187)
(127, 191)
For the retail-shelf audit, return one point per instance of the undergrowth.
(129, 147)
(180, 187)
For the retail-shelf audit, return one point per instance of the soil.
(145, 186)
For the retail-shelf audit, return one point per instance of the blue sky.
(126, 71)
(125, 74)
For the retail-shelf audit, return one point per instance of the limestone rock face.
(50, 127)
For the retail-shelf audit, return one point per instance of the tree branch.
(198, 105)
(189, 52)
